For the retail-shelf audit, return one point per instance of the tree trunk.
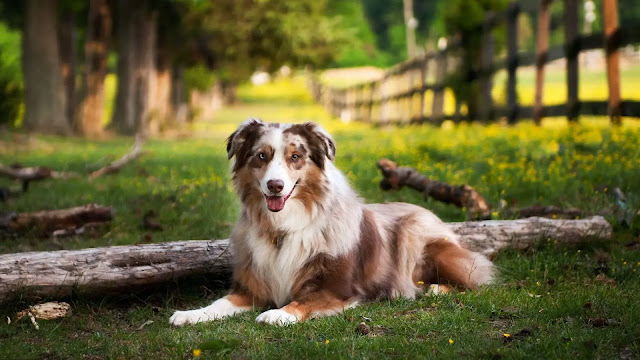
(45, 103)
(96, 53)
(160, 101)
(136, 47)
(68, 58)
(114, 269)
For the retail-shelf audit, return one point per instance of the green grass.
(547, 298)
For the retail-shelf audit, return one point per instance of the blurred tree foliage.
(11, 85)
(386, 20)
(237, 37)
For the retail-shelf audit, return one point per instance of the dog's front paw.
(180, 318)
(276, 317)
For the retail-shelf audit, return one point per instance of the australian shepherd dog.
(307, 246)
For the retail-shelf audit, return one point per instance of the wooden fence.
(414, 91)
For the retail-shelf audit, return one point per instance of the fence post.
(486, 72)
(572, 47)
(384, 100)
(437, 111)
(424, 68)
(542, 49)
(512, 61)
(612, 43)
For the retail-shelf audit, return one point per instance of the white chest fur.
(278, 266)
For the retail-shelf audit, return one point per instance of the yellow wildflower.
(506, 335)
(326, 341)
(197, 352)
(450, 341)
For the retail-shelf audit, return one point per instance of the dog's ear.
(327, 140)
(238, 137)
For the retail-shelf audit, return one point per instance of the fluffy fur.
(307, 245)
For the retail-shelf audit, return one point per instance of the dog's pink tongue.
(275, 203)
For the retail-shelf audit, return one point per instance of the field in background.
(550, 300)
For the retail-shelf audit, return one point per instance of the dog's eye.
(295, 157)
(262, 156)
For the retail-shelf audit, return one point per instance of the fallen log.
(50, 221)
(463, 196)
(28, 174)
(114, 269)
(547, 211)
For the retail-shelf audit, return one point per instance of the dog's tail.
(458, 266)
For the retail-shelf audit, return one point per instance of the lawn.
(549, 302)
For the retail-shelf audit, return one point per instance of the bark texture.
(68, 58)
(96, 53)
(114, 269)
(45, 103)
(136, 49)
(395, 177)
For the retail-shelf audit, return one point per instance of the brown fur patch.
(248, 284)
(244, 299)
(318, 148)
(254, 158)
(318, 302)
(323, 272)
(369, 255)
(298, 150)
(445, 258)
(310, 190)
(240, 142)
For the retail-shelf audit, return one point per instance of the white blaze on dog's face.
(279, 162)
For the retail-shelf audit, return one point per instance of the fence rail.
(400, 95)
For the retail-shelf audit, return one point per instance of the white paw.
(180, 318)
(276, 317)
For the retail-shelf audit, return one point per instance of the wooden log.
(464, 196)
(546, 211)
(109, 269)
(48, 221)
(489, 237)
(118, 268)
(28, 174)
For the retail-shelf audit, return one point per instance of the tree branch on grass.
(114, 269)
(115, 166)
(464, 196)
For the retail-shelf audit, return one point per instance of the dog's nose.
(275, 186)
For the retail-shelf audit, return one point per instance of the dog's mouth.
(276, 203)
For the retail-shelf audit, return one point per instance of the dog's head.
(279, 161)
